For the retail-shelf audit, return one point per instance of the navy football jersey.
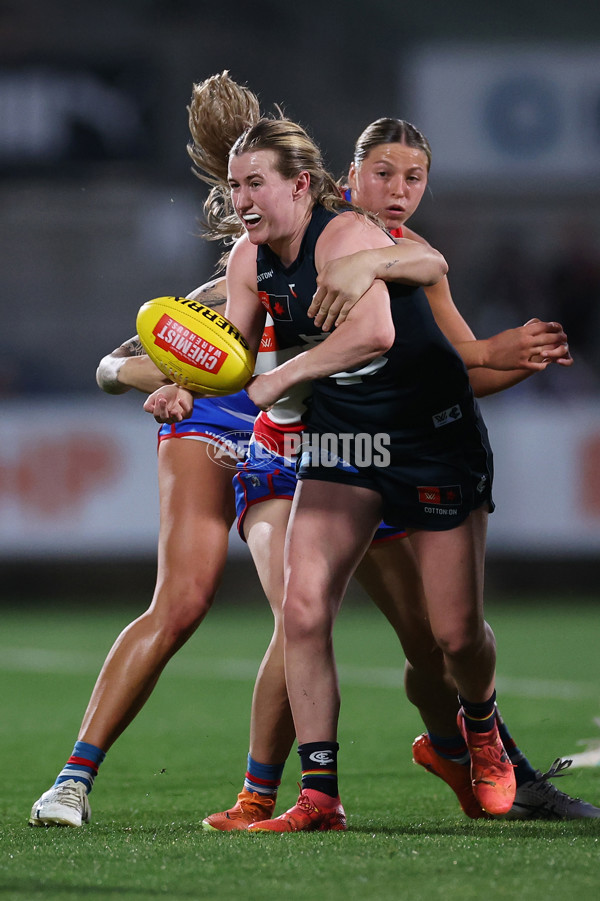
(414, 402)
(412, 388)
(286, 292)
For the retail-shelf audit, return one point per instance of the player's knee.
(460, 642)
(305, 622)
(179, 608)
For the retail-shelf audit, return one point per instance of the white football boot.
(65, 804)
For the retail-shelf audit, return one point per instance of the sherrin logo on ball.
(194, 346)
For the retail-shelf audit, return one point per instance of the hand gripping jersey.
(406, 424)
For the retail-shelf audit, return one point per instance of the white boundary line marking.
(40, 660)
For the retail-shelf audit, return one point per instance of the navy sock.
(82, 765)
(318, 760)
(264, 778)
(524, 772)
(454, 748)
(479, 717)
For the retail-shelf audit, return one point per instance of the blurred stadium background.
(100, 212)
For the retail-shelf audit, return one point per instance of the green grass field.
(184, 757)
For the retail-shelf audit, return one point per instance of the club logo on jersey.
(440, 495)
(278, 305)
(446, 416)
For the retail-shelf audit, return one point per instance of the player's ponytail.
(219, 111)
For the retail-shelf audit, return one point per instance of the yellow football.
(194, 346)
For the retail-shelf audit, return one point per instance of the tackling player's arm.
(494, 363)
(505, 359)
(212, 294)
(129, 366)
(343, 281)
(367, 333)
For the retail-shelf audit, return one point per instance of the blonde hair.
(219, 111)
(295, 152)
(225, 120)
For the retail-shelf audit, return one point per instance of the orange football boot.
(492, 773)
(313, 811)
(456, 775)
(250, 807)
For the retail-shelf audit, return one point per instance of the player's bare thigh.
(196, 514)
(331, 527)
(451, 564)
(265, 526)
(389, 574)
